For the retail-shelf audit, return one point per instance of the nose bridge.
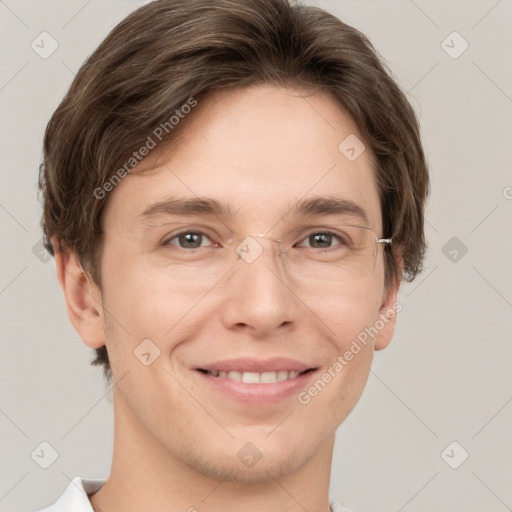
(253, 246)
(262, 258)
(259, 297)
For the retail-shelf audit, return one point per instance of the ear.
(83, 298)
(389, 309)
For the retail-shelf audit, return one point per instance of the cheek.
(340, 383)
(144, 304)
(347, 309)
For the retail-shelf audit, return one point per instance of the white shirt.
(75, 497)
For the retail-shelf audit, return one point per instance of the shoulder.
(75, 497)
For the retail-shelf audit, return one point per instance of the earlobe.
(83, 298)
(388, 312)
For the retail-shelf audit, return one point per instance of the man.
(233, 191)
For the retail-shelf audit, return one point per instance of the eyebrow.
(316, 206)
(328, 206)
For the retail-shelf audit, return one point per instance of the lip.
(244, 364)
(257, 394)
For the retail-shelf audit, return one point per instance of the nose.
(258, 298)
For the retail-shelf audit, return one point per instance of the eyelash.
(166, 242)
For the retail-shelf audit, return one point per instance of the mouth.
(254, 381)
(263, 388)
(250, 377)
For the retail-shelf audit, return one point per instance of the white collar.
(75, 497)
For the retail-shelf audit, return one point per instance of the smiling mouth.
(257, 377)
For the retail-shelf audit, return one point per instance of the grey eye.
(188, 240)
(320, 240)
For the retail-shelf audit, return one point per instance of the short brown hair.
(168, 51)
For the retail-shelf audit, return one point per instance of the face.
(258, 152)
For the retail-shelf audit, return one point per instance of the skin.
(260, 149)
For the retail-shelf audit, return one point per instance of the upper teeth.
(255, 377)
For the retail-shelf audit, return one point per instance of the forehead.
(257, 151)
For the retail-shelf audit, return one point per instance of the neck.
(146, 475)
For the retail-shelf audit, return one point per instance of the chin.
(268, 468)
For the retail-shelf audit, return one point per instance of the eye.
(188, 240)
(321, 240)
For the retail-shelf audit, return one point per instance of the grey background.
(446, 375)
